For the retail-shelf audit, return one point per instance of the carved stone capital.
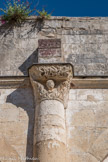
(51, 81)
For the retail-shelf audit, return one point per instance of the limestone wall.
(84, 44)
(16, 124)
(87, 121)
(86, 124)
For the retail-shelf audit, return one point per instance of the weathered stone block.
(49, 43)
(50, 60)
(53, 52)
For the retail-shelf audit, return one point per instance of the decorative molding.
(89, 83)
(44, 72)
(59, 92)
(51, 81)
(14, 82)
(76, 83)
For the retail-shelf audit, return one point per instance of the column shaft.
(50, 129)
(51, 84)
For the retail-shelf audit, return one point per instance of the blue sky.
(72, 7)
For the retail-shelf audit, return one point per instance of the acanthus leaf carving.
(51, 82)
(56, 71)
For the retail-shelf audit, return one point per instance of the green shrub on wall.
(17, 11)
(43, 14)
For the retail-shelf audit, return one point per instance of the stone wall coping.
(68, 18)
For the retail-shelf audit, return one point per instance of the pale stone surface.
(82, 158)
(106, 160)
(7, 152)
(87, 125)
(100, 147)
(16, 124)
(49, 128)
(51, 85)
(50, 132)
(51, 151)
(85, 136)
(83, 43)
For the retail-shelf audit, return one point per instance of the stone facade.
(83, 40)
(86, 119)
(53, 111)
(16, 124)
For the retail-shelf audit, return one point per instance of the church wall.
(83, 40)
(84, 44)
(86, 120)
(16, 123)
(86, 124)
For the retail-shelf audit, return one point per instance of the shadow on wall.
(22, 98)
(10, 32)
(6, 29)
(33, 58)
(35, 24)
(106, 160)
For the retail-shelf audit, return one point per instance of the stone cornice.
(77, 82)
(86, 82)
(89, 83)
(14, 82)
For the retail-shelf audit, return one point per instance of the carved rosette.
(51, 81)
